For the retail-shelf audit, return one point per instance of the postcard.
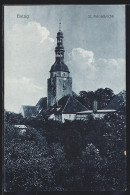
(64, 98)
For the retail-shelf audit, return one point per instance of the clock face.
(64, 79)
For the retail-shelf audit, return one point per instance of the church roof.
(72, 106)
(42, 103)
(67, 105)
(59, 65)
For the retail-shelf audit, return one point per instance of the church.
(61, 103)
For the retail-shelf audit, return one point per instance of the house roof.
(20, 126)
(105, 111)
(29, 110)
(98, 111)
(42, 103)
(85, 112)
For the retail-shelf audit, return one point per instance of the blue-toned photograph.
(64, 98)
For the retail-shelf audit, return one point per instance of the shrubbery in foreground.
(77, 155)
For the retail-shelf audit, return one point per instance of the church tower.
(60, 83)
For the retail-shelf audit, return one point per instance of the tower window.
(64, 87)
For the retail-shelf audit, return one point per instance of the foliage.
(13, 118)
(74, 156)
(103, 97)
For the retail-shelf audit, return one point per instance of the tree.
(86, 98)
(28, 164)
(91, 163)
(103, 96)
(13, 118)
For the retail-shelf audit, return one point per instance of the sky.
(94, 42)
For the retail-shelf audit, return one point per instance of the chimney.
(95, 103)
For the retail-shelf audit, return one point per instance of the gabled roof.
(29, 110)
(42, 103)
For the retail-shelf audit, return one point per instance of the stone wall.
(63, 87)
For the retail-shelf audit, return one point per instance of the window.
(64, 87)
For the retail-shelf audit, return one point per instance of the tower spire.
(59, 50)
(60, 25)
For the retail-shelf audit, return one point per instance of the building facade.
(60, 83)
